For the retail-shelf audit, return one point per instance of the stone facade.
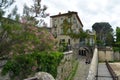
(65, 66)
(91, 40)
(56, 22)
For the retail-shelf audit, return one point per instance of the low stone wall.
(106, 55)
(116, 56)
(65, 67)
(93, 67)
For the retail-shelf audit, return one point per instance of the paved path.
(103, 73)
(82, 71)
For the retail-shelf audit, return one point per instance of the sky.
(89, 11)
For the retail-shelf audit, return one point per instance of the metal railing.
(114, 76)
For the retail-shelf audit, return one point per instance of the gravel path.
(82, 71)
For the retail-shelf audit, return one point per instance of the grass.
(72, 74)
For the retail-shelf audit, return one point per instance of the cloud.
(89, 11)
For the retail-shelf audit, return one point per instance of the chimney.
(69, 11)
(59, 13)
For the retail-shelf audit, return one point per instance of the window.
(61, 21)
(74, 30)
(55, 29)
(61, 30)
(54, 21)
(55, 34)
(68, 19)
(68, 41)
(74, 20)
(68, 31)
(61, 18)
(55, 26)
(77, 26)
(62, 41)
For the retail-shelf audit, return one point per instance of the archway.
(84, 51)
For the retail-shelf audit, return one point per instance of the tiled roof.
(66, 14)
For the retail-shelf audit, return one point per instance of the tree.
(117, 42)
(4, 4)
(18, 38)
(31, 14)
(109, 39)
(103, 29)
(118, 34)
(30, 38)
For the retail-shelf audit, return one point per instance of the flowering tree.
(34, 39)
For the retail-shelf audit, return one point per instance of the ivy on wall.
(67, 29)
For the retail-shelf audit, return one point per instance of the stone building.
(57, 29)
(91, 40)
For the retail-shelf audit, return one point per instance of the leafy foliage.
(4, 4)
(81, 34)
(8, 35)
(35, 11)
(67, 30)
(22, 66)
(66, 27)
(103, 30)
(20, 38)
(63, 47)
(117, 42)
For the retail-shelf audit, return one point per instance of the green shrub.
(63, 47)
(22, 66)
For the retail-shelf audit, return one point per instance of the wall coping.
(93, 67)
(32, 78)
(68, 52)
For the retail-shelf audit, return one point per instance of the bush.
(22, 66)
(63, 47)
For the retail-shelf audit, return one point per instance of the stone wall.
(93, 67)
(106, 55)
(116, 56)
(65, 67)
